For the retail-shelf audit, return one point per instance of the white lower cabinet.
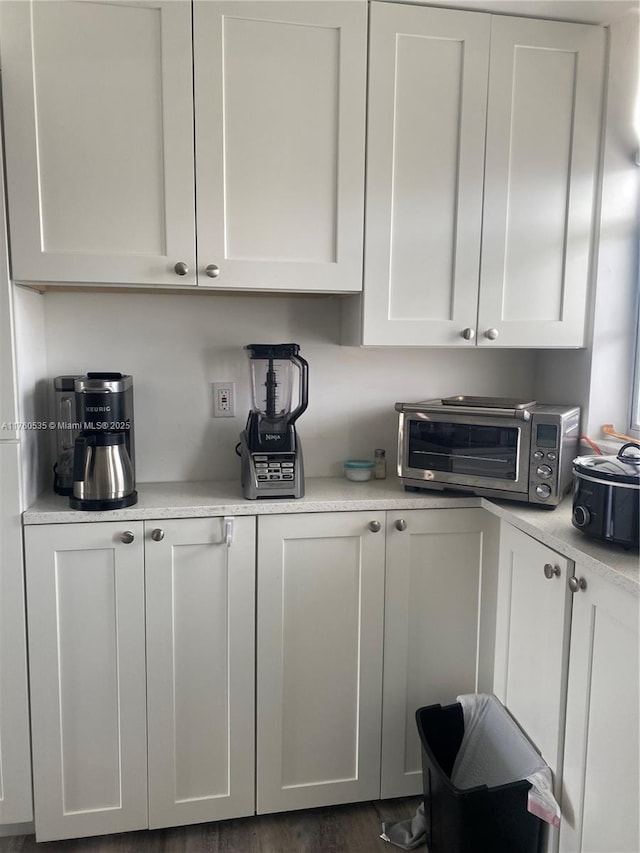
(330, 625)
(85, 607)
(91, 681)
(601, 781)
(15, 754)
(532, 644)
(200, 661)
(184, 671)
(319, 663)
(567, 668)
(439, 617)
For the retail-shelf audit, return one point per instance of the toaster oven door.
(475, 452)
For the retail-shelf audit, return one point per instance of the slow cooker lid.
(623, 468)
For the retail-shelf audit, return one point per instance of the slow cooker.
(606, 493)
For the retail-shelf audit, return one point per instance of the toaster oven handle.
(416, 408)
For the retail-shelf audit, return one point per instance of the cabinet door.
(8, 401)
(98, 111)
(280, 121)
(320, 626)
(601, 783)
(85, 605)
(543, 127)
(532, 642)
(200, 663)
(15, 756)
(425, 159)
(438, 639)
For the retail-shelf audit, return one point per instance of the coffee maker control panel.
(271, 467)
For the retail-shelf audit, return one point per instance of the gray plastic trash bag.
(406, 834)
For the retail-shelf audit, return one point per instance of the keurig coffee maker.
(271, 456)
(103, 455)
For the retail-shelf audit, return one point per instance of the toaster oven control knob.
(491, 334)
(581, 516)
(543, 490)
(181, 268)
(544, 471)
(468, 334)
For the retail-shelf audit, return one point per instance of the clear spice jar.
(380, 470)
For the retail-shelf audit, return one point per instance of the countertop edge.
(210, 499)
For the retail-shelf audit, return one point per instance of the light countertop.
(206, 499)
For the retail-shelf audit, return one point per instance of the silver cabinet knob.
(374, 526)
(551, 571)
(181, 268)
(468, 334)
(157, 535)
(127, 537)
(576, 584)
(212, 271)
(401, 524)
(491, 334)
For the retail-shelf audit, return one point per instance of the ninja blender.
(271, 456)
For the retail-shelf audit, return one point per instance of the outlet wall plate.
(224, 399)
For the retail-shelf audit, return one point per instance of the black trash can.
(469, 820)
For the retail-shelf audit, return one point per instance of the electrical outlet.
(224, 401)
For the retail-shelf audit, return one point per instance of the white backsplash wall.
(176, 346)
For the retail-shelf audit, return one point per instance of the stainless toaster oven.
(501, 448)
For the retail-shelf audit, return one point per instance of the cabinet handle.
(157, 535)
(127, 537)
(401, 524)
(551, 571)
(491, 334)
(181, 268)
(576, 584)
(468, 334)
(374, 526)
(212, 271)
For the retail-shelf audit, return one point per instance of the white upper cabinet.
(543, 123)
(483, 145)
(99, 115)
(280, 121)
(425, 162)
(99, 140)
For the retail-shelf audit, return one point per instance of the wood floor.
(340, 829)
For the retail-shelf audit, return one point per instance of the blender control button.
(538, 454)
(260, 458)
(552, 456)
(287, 476)
(261, 464)
(287, 464)
(262, 477)
(275, 477)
